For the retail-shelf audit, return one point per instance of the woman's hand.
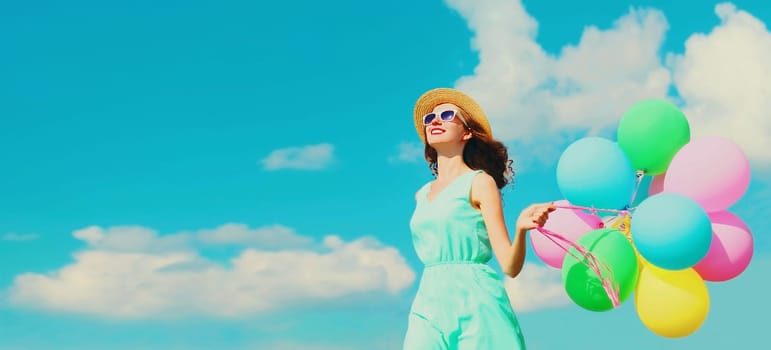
(534, 216)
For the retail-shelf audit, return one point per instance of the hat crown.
(430, 99)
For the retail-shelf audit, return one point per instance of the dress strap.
(461, 187)
(464, 189)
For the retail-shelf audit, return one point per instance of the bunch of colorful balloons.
(653, 209)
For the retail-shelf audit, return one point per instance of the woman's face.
(444, 125)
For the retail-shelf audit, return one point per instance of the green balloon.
(611, 248)
(651, 132)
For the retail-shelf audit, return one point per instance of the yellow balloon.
(672, 304)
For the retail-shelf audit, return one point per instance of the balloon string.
(610, 221)
(640, 175)
(591, 262)
(589, 259)
(592, 209)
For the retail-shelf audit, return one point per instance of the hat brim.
(435, 97)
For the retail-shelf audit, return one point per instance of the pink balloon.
(731, 250)
(657, 184)
(711, 170)
(569, 223)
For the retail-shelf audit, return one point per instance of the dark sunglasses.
(445, 116)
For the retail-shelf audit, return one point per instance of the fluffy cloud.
(146, 240)
(536, 287)
(723, 78)
(276, 236)
(530, 94)
(131, 272)
(311, 157)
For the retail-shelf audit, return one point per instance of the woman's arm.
(510, 255)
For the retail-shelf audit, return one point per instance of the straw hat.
(432, 98)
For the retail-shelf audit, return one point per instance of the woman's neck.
(450, 166)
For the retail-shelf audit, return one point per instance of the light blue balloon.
(595, 172)
(671, 231)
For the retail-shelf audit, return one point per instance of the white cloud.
(528, 92)
(132, 239)
(536, 287)
(276, 236)
(408, 152)
(311, 157)
(533, 98)
(131, 272)
(20, 237)
(609, 70)
(723, 78)
(146, 240)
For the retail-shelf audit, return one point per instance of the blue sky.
(192, 175)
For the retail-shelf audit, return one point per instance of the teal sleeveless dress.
(461, 303)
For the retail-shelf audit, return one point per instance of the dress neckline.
(452, 182)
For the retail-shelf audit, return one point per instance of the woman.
(458, 225)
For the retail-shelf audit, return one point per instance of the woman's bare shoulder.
(484, 181)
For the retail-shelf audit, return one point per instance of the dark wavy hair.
(483, 152)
